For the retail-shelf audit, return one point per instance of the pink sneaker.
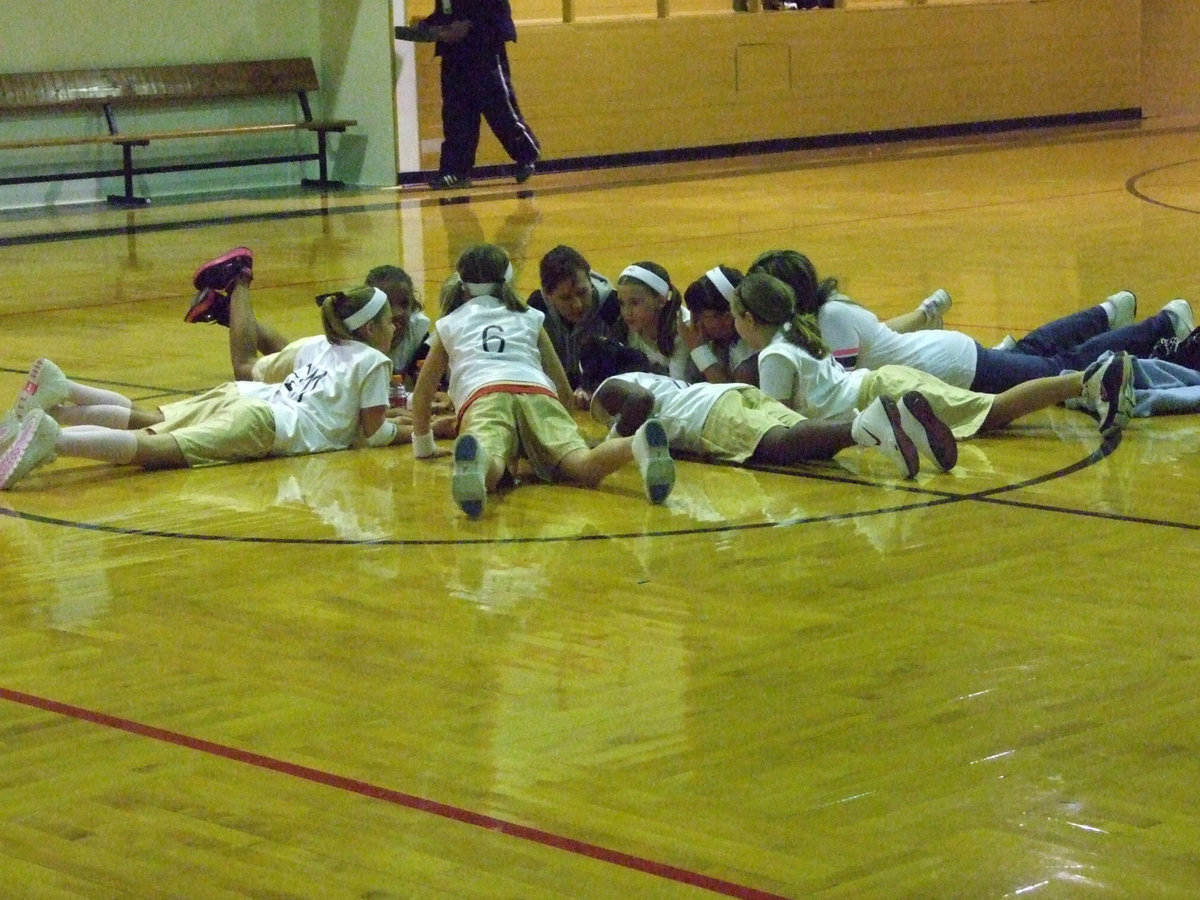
(209, 306)
(220, 273)
(32, 447)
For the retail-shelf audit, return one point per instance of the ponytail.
(797, 271)
(340, 311)
(485, 269)
(772, 302)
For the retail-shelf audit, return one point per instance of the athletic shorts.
(219, 426)
(738, 422)
(533, 426)
(963, 410)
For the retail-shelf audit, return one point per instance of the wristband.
(383, 435)
(423, 445)
(704, 357)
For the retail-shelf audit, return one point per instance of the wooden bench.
(107, 92)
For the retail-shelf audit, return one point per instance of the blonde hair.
(338, 306)
(772, 302)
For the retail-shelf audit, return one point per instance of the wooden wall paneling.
(690, 81)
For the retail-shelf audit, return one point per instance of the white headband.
(720, 282)
(652, 281)
(357, 320)
(480, 289)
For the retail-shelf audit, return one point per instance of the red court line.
(375, 792)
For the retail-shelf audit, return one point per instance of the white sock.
(101, 414)
(96, 442)
(1110, 310)
(82, 395)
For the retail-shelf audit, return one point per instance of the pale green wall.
(349, 41)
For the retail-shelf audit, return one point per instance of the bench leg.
(323, 181)
(127, 199)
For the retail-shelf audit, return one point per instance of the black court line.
(1131, 185)
(930, 498)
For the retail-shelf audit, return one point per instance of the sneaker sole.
(943, 447)
(1116, 390)
(658, 475)
(33, 446)
(908, 450)
(235, 253)
(468, 485)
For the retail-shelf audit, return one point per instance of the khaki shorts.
(964, 411)
(219, 426)
(738, 422)
(533, 426)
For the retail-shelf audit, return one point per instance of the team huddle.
(774, 365)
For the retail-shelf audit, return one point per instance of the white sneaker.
(468, 484)
(880, 426)
(1108, 389)
(33, 446)
(45, 388)
(9, 426)
(1180, 312)
(933, 438)
(653, 456)
(1122, 309)
(1007, 343)
(934, 307)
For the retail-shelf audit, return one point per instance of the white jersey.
(815, 388)
(682, 408)
(739, 352)
(489, 344)
(851, 330)
(405, 346)
(316, 407)
(678, 365)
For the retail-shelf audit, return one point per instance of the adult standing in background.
(476, 84)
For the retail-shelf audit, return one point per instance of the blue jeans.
(1071, 343)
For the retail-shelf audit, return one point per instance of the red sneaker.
(209, 306)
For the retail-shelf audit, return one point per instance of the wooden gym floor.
(314, 678)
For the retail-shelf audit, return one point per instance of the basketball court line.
(458, 814)
(930, 497)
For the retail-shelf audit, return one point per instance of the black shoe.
(525, 172)
(220, 273)
(1185, 352)
(447, 182)
(209, 306)
(933, 438)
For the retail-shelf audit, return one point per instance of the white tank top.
(681, 407)
(489, 345)
(317, 405)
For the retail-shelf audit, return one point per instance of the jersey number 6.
(493, 339)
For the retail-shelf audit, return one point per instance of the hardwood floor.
(314, 678)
